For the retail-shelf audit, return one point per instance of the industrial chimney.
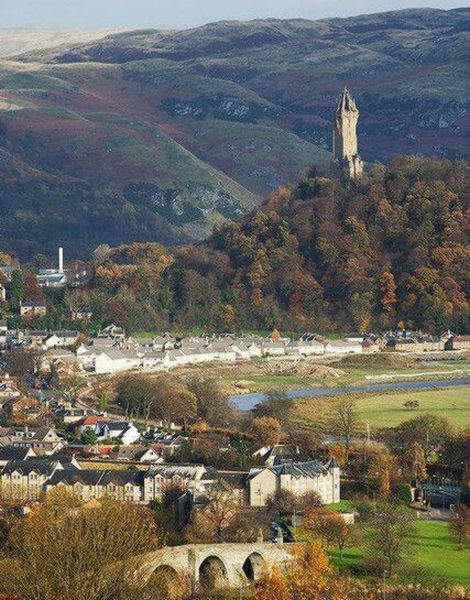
(61, 260)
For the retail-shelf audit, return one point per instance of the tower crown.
(346, 102)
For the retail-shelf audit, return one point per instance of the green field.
(435, 556)
(386, 409)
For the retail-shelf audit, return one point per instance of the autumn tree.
(381, 471)
(459, 524)
(413, 462)
(266, 431)
(32, 290)
(310, 576)
(277, 405)
(330, 526)
(135, 393)
(63, 549)
(68, 383)
(388, 296)
(212, 405)
(221, 519)
(20, 363)
(429, 431)
(101, 388)
(272, 584)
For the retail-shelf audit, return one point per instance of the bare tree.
(389, 537)
(344, 421)
(459, 524)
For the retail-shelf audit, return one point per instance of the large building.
(297, 478)
(345, 148)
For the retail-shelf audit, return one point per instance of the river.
(249, 401)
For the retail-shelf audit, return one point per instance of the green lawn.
(434, 551)
(386, 409)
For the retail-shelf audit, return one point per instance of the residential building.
(195, 478)
(343, 347)
(26, 479)
(32, 309)
(8, 453)
(458, 342)
(60, 338)
(126, 486)
(8, 388)
(141, 454)
(82, 314)
(124, 431)
(295, 477)
(43, 440)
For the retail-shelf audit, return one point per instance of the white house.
(60, 338)
(125, 431)
(273, 348)
(114, 360)
(303, 348)
(343, 347)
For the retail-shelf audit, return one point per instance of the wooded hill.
(325, 256)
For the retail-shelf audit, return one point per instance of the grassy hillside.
(155, 135)
(18, 40)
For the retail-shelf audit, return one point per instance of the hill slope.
(325, 256)
(158, 135)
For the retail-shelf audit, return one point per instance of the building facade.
(297, 478)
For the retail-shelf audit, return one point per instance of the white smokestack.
(61, 260)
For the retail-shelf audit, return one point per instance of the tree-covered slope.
(327, 255)
(151, 135)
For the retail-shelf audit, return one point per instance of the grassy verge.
(435, 555)
(386, 409)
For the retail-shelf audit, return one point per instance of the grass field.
(435, 555)
(386, 409)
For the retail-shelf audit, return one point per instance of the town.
(188, 462)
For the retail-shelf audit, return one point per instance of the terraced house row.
(25, 477)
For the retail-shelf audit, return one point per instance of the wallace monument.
(345, 152)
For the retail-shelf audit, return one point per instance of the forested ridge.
(326, 255)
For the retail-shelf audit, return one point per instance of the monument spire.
(345, 147)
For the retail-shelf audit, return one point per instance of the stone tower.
(345, 153)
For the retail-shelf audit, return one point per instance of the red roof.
(91, 420)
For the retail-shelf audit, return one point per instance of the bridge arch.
(166, 578)
(252, 565)
(212, 572)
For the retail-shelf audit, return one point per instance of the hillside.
(17, 40)
(326, 256)
(157, 136)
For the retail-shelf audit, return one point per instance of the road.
(249, 401)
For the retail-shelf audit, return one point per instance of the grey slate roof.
(39, 465)
(97, 477)
(13, 453)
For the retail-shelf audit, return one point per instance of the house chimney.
(61, 260)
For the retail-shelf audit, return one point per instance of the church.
(346, 158)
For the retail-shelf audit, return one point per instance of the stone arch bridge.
(229, 565)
